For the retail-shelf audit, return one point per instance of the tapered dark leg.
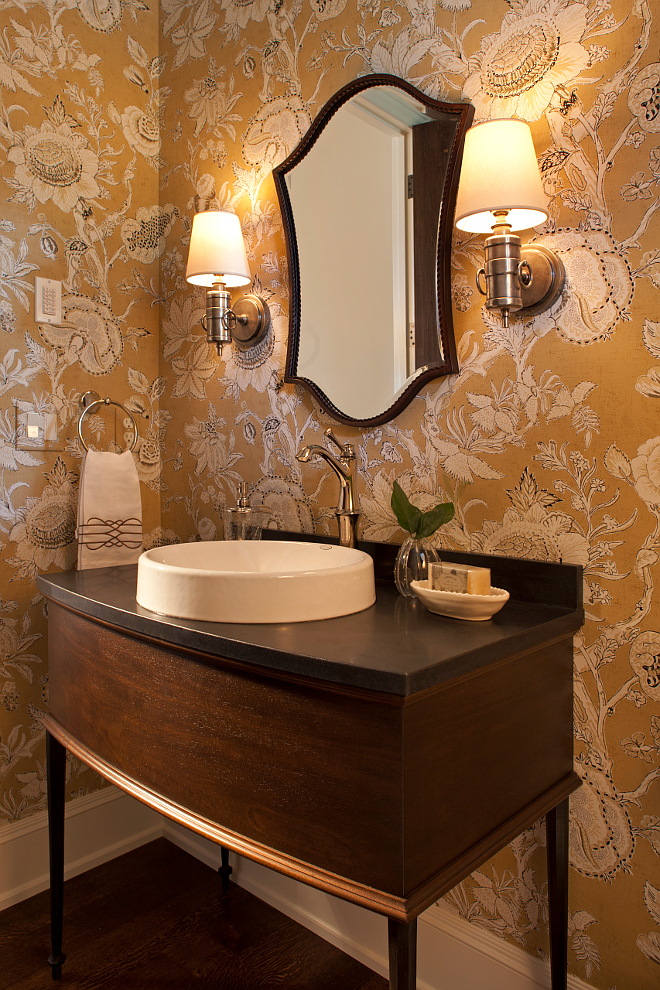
(56, 766)
(402, 937)
(225, 870)
(556, 822)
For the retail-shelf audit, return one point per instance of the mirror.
(367, 200)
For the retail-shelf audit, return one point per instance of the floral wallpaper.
(80, 101)
(118, 121)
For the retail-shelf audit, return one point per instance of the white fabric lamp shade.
(217, 249)
(499, 172)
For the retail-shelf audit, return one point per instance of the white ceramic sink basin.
(251, 581)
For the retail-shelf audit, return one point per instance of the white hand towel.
(109, 527)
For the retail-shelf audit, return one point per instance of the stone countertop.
(396, 646)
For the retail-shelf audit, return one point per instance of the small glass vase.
(412, 563)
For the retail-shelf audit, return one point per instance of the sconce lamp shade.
(217, 249)
(499, 172)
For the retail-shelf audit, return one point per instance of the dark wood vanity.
(380, 756)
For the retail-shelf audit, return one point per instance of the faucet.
(348, 507)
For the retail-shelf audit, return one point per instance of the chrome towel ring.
(93, 406)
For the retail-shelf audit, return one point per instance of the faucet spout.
(348, 506)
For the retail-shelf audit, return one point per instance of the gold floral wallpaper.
(118, 121)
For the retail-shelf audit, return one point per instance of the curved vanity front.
(380, 756)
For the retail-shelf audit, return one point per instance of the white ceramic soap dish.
(459, 605)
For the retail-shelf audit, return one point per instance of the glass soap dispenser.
(242, 522)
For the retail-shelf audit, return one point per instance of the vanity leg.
(56, 768)
(556, 823)
(402, 937)
(225, 870)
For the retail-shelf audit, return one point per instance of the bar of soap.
(461, 578)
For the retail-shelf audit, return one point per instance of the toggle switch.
(41, 428)
(34, 426)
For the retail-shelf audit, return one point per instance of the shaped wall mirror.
(367, 200)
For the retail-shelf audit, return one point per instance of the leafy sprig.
(411, 519)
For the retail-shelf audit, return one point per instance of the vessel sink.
(251, 581)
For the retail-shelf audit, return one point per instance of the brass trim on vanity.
(366, 897)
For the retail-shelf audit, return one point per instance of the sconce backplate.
(257, 321)
(548, 277)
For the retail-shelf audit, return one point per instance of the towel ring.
(105, 402)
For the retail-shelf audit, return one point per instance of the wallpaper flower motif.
(141, 131)
(537, 50)
(646, 471)
(45, 527)
(145, 237)
(53, 163)
(603, 285)
(644, 98)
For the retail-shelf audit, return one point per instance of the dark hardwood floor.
(156, 919)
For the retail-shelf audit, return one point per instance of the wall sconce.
(500, 191)
(217, 260)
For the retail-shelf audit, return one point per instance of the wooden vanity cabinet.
(383, 797)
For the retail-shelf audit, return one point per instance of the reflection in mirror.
(368, 200)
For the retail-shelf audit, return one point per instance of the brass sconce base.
(248, 320)
(548, 278)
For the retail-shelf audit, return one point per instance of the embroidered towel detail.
(98, 533)
(109, 529)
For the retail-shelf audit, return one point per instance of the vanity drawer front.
(313, 771)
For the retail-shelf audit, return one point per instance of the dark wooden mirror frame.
(464, 113)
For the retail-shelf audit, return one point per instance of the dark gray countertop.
(396, 646)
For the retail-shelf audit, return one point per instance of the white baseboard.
(452, 954)
(98, 827)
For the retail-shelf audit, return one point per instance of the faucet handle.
(345, 449)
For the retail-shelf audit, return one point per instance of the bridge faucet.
(348, 507)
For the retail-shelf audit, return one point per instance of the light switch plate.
(34, 426)
(36, 430)
(47, 300)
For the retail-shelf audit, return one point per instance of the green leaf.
(419, 524)
(434, 518)
(406, 514)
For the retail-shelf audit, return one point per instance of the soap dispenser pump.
(243, 498)
(242, 522)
